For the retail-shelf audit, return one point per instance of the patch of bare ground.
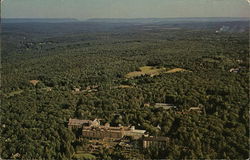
(34, 82)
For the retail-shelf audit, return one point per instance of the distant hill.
(38, 20)
(122, 20)
(164, 20)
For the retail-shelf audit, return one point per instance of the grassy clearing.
(123, 86)
(152, 71)
(177, 70)
(146, 70)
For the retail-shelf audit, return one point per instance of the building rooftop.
(138, 131)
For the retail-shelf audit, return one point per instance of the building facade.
(94, 130)
(160, 142)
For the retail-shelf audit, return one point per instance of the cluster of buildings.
(94, 130)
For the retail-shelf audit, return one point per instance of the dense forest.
(49, 71)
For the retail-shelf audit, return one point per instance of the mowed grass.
(152, 71)
(176, 70)
(146, 70)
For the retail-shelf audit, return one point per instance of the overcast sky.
(84, 9)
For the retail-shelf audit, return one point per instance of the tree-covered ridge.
(34, 117)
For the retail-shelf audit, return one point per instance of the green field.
(146, 70)
(152, 71)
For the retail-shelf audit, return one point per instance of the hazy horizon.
(129, 9)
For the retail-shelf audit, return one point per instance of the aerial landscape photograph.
(124, 79)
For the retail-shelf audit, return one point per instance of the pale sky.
(84, 9)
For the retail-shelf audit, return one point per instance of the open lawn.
(152, 71)
(146, 70)
(176, 70)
